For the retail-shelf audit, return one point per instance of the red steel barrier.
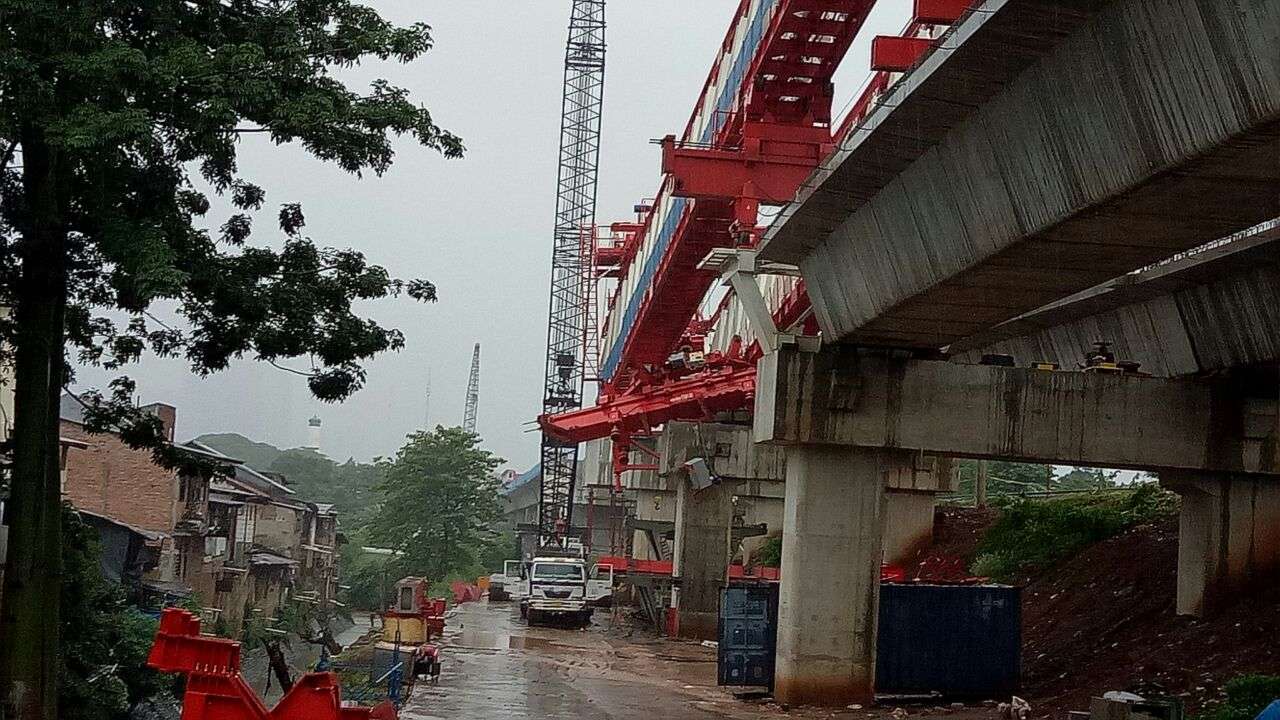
(215, 690)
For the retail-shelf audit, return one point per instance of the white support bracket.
(739, 268)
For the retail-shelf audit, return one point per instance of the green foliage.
(771, 553)
(368, 581)
(1246, 696)
(1003, 478)
(106, 113)
(1034, 534)
(438, 501)
(103, 665)
(118, 121)
(349, 487)
(496, 551)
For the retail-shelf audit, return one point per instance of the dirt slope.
(1105, 620)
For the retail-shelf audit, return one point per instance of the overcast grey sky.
(479, 227)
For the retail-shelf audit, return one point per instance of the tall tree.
(439, 501)
(117, 121)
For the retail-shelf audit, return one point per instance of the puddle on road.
(482, 640)
(520, 642)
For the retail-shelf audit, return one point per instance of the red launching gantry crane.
(762, 124)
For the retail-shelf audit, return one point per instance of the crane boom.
(570, 265)
(473, 393)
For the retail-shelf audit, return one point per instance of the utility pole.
(980, 485)
(570, 265)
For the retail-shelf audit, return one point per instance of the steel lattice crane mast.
(473, 393)
(570, 260)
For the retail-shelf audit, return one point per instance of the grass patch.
(1246, 696)
(771, 553)
(1033, 534)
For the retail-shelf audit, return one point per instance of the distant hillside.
(314, 477)
(256, 455)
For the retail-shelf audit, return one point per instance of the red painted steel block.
(215, 690)
(940, 12)
(897, 54)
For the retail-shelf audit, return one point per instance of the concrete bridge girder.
(1215, 310)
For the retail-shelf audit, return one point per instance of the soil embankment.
(1104, 620)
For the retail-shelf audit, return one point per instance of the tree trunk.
(279, 666)
(29, 615)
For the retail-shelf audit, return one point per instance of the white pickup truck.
(557, 590)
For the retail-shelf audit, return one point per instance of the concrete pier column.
(830, 589)
(908, 526)
(1228, 537)
(701, 562)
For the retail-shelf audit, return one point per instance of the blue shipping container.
(748, 631)
(956, 640)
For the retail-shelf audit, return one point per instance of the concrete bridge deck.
(1044, 148)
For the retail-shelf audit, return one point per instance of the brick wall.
(112, 479)
(280, 529)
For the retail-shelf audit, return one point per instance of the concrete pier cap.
(845, 396)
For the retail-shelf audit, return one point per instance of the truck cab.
(503, 585)
(557, 590)
(600, 585)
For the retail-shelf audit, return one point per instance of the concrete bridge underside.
(1216, 310)
(1039, 151)
(1042, 149)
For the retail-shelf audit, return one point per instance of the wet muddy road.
(497, 667)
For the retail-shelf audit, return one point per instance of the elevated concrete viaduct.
(1217, 312)
(1044, 148)
(852, 421)
(1041, 149)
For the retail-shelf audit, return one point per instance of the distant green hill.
(256, 455)
(314, 477)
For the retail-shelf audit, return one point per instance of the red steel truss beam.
(787, 84)
(793, 68)
(695, 397)
(769, 167)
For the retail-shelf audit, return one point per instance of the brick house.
(304, 532)
(106, 477)
(318, 578)
(207, 524)
(239, 542)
